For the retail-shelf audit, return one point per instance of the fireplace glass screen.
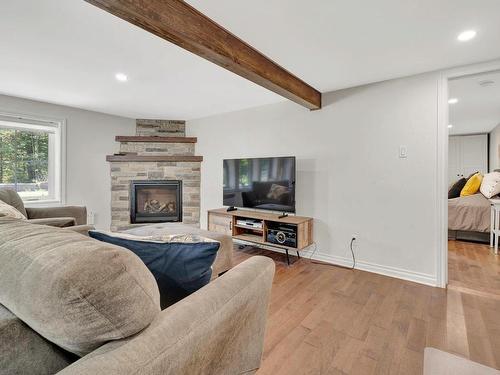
(156, 201)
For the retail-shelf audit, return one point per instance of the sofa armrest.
(216, 330)
(79, 213)
(82, 229)
(60, 222)
(224, 260)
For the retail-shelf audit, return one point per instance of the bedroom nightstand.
(495, 223)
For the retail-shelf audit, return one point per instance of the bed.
(469, 218)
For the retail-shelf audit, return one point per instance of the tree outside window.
(30, 158)
(244, 173)
(265, 165)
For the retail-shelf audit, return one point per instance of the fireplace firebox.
(155, 201)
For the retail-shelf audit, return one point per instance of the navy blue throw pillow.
(180, 268)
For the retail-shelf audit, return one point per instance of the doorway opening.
(473, 181)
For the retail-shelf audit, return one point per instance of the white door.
(454, 160)
(474, 154)
(467, 154)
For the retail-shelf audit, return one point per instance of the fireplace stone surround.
(158, 152)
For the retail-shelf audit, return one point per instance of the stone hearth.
(159, 151)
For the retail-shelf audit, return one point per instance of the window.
(225, 182)
(265, 165)
(245, 173)
(31, 158)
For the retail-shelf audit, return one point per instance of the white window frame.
(58, 128)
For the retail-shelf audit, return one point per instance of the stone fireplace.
(155, 177)
(155, 201)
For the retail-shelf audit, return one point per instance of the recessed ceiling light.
(121, 77)
(453, 101)
(450, 126)
(464, 36)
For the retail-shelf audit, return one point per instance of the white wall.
(494, 148)
(90, 136)
(349, 175)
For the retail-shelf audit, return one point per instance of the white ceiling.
(478, 108)
(67, 51)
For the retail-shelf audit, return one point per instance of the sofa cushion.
(6, 210)
(23, 351)
(181, 264)
(223, 261)
(74, 291)
(11, 197)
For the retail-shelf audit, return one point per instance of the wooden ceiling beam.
(181, 24)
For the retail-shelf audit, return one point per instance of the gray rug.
(437, 362)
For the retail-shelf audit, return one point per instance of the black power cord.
(352, 252)
(315, 248)
(336, 265)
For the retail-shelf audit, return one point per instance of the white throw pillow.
(6, 210)
(490, 186)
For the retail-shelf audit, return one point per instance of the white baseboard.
(399, 273)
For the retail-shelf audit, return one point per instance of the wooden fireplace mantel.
(155, 139)
(153, 158)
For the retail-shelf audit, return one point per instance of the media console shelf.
(222, 221)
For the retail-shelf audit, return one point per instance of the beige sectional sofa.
(73, 305)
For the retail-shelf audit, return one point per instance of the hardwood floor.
(330, 320)
(473, 268)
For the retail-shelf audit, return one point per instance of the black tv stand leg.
(284, 214)
(288, 257)
(232, 208)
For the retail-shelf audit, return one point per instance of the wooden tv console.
(223, 221)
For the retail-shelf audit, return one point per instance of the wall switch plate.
(403, 152)
(90, 218)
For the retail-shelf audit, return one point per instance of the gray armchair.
(62, 216)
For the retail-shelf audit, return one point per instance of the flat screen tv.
(260, 183)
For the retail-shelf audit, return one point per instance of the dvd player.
(251, 223)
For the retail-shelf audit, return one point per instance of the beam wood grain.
(181, 24)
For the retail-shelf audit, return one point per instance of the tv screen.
(260, 183)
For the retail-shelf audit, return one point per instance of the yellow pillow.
(472, 186)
